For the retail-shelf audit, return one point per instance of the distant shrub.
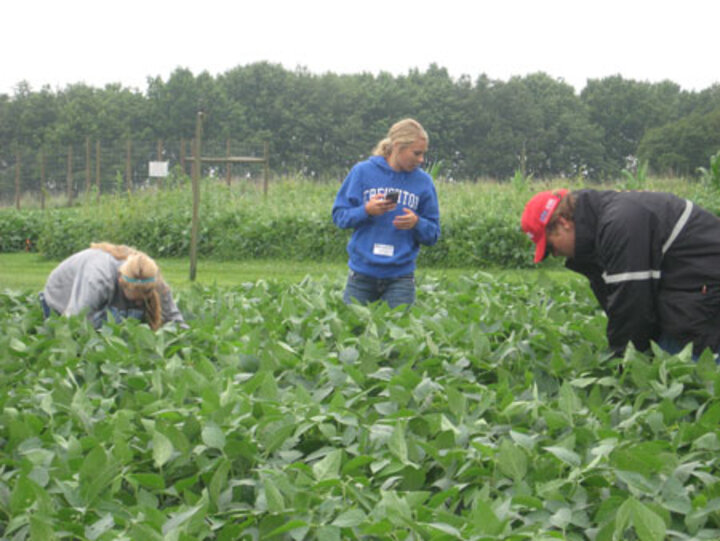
(480, 224)
(64, 232)
(710, 176)
(19, 230)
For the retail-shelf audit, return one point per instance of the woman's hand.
(407, 220)
(378, 205)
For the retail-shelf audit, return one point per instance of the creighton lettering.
(405, 198)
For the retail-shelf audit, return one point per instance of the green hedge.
(480, 224)
(465, 240)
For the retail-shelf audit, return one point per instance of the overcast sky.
(62, 42)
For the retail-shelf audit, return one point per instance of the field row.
(490, 410)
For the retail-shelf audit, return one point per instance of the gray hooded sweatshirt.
(88, 281)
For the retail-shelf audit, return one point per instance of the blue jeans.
(365, 289)
(45, 308)
(673, 346)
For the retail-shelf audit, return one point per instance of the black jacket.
(653, 261)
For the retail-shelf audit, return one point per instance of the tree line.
(320, 124)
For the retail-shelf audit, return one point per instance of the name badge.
(384, 249)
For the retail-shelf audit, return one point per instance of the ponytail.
(404, 132)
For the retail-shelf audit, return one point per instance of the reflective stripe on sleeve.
(652, 274)
(684, 217)
(630, 276)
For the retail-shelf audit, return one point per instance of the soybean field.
(488, 411)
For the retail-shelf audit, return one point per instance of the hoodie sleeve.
(170, 311)
(349, 208)
(427, 230)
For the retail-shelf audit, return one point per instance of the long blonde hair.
(404, 132)
(139, 273)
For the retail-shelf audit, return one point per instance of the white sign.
(158, 169)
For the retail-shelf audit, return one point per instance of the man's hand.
(378, 205)
(407, 220)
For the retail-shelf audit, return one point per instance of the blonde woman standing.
(110, 278)
(392, 206)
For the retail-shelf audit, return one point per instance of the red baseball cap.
(536, 216)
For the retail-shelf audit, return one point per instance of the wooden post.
(97, 168)
(228, 165)
(182, 156)
(128, 166)
(70, 175)
(197, 168)
(192, 163)
(87, 165)
(160, 158)
(17, 179)
(42, 179)
(266, 169)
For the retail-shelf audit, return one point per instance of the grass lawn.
(23, 271)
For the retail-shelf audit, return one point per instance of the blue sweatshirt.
(377, 248)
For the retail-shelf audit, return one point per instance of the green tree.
(441, 105)
(175, 104)
(681, 147)
(537, 125)
(29, 116)
(624, 110)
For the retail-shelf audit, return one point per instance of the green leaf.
(329, 466)
(162, 449)
(99, 527)
(41, 528)
(446, 529)
(218, 481)
(568, 457)
(649, 526)
(96, 474)
(273, 497)
(394, 508)
(485, 519)
(457, 402)
(213, 436)
(568, 401)
(328, 533)
(17, 345)
(290, 526)
(512, 461)
(148, 480)
(348, 355)
(397, 443)
(178, 519)
(349, 519)
(23, 495)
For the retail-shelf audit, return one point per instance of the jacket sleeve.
(349, 208)
(427, 229)
(594, 275)
(630, 257)
(170, 311)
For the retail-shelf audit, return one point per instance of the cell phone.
(392, 196)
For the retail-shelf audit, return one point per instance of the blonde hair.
(139, 273)
(403, 133)
(118, 251)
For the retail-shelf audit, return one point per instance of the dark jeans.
(45, 308)
(365, 289)
(673, 346)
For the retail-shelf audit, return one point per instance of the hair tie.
(138, 280)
